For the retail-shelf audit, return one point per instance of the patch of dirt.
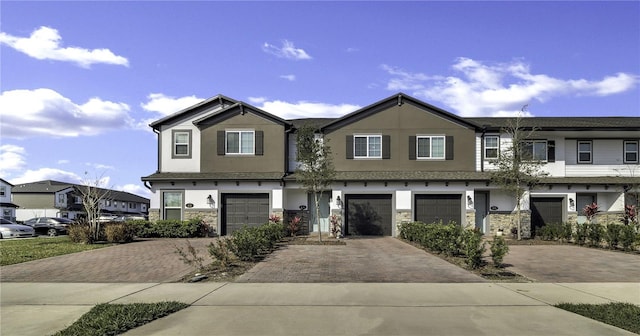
(215, 273)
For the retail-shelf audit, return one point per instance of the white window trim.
(175, 144)
(590, 151)
(431, 157)
(368, 156)
(239, 131)
(637, 151)
(497, 147)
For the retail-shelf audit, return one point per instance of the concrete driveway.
(376, 259)
(570, 263)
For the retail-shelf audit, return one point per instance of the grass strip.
(114, 319)
(621, 315)
(21, 250)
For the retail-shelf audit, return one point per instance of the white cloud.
(166, 105)
(12, 158)
(499, 89)
(288, 51)
(99, 166)
(27, 113)
(257, 100)
(290, 78)
(63, 161)
(304, 109)
(136, 189)
(47, 174)
(45, 43)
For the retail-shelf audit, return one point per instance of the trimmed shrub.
(628, 237)
(595, 233)
(171, 228)
(612, 235)
(566, 232)
(119, 232)
(80, 233)
(250, 242)
(499, 249)
(474, 247)
(580, 236)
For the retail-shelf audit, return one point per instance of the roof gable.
(398, 99)
(189, 112)
(239, 108)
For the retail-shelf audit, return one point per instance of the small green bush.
(250, 242)
(628, 237)
(171, 228)
(595, 233)
(612, 235)
(580, 236)
(474, 247)
(566, 232)
(499, 249)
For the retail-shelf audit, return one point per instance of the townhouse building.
(7, 207)
(60, 199)
(397, 160)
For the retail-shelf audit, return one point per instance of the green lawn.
(16, 251)
(114, 319)
(621, 315)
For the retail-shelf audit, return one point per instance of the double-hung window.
(585, 151)
(631, 151)
(491, 147)
(367, 146)
(534, 150)
(240, 142)
(172, 205)
(181, 144)
(430, 146)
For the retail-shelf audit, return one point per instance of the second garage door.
(369, 215)
(436, 208)
(239, 210)
(545, 210)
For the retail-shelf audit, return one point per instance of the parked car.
(107, 218)
(125, 218)
(50, 226)
(9, 229)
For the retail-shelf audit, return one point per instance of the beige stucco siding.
(273, 159)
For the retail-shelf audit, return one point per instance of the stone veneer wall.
(402, 216)
(507, 220)
(209, 216)
(471, 219)
(154, 215)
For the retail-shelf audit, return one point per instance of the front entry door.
(324, 212)
(482, 210)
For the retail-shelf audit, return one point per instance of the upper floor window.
(585, 150)
(491, 147)
(534, 150)
(430, 147)
(631, 151)
(367, 146)
(240, 142)
(60, 198)
(77, 199)
(181, 144)
(3, 190)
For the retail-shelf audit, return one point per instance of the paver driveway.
(142, 261)
(570, 263)
(379, 259)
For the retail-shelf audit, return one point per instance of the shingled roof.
(563, 123)
(51, 186)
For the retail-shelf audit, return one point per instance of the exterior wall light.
(338, 202)
(210, 201)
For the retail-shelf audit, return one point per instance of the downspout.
(159, 149)
(484, 131)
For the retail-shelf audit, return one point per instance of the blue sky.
(81, 81)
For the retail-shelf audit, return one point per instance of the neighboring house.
(397, 160)
(60, 199)
(7, 208)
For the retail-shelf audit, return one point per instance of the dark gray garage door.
(369, 215)
(436, 208)
(545, 210)
(239, 210)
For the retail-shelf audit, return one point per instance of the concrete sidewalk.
(323, 308)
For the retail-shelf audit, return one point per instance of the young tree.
(92, 198)
(315, 171)
(517, 169)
